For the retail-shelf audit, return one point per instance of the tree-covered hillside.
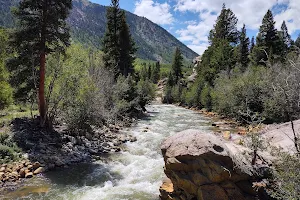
(88, 23)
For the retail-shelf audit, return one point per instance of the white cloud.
(249, 12)
(157, 12)
(199, 48)
(291, 16)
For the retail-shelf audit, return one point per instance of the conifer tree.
(149, 71)
(127, 48)
(285, 40)
(111, 40)
(177, 66)
(225, 27)
(297, 42)
(269, 35)
(285, 35)
(252, 44)
(118, 45)
(41, 29)
(244, 49)
(156, 73)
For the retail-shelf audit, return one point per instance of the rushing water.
(134, 174)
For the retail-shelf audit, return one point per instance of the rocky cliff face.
(205, 167)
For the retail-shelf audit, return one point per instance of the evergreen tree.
(285, 35)
(144, 72)
(297, 42)
(225, 27)
(269, 37)
(149, 71)
(285, 41)
(118, 45)
(244, 49)
(41, 29)
(111, 40)
(252, 44)
(177, 66)
(127, 48)
(156, 73)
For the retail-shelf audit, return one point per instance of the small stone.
(38, 170)
(29, 167)
(29, 175)
(2, 169)
(36, 165)
(22, 173)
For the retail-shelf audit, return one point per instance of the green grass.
(12, 112)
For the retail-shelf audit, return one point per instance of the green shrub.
(6, 94)
(234, 95)
(145, 92)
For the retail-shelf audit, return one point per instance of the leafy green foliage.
(286, 177)
(5, 89)
(9, 150)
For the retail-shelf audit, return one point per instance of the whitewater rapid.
(133, 174)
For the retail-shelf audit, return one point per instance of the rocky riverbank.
(44, 150)
(204, 166)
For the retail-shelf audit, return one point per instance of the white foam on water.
(137, 173)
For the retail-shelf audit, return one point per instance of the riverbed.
(136, 173)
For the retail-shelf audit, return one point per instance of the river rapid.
(136, 173)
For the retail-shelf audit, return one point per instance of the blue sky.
(191, 20)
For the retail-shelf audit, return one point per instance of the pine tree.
(269, 35)
(225, 27)
(111, 40)
(118, 45)
(177, 65)
(156, 73)
(297, 42)
(285, 35)
(41, 29)
(149, 71)
(285, 41)
(127, 48)
(244, 49)
(252, 44)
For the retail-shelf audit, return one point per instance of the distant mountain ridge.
(88, 22)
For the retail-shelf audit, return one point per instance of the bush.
(286, 177)
(6, 94)
(234, 95)
(9, 150)
(145, 92)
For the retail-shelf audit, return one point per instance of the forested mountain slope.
(87, 21)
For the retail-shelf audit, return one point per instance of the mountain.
(88, 22)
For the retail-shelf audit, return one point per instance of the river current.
(133, 174)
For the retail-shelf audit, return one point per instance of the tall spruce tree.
(111, 40)
(177, 66)
(225, 27)
(285, 40)
(269, 35)
(297, 42)
(118, 45)
(41, 29)
(252, 44)
(243, 58)
(127, 48)
(156, 73)
(285, 35)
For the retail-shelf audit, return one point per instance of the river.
(133, 174)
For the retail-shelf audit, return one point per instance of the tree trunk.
(42, 100)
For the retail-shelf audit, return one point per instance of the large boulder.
(203, 166)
